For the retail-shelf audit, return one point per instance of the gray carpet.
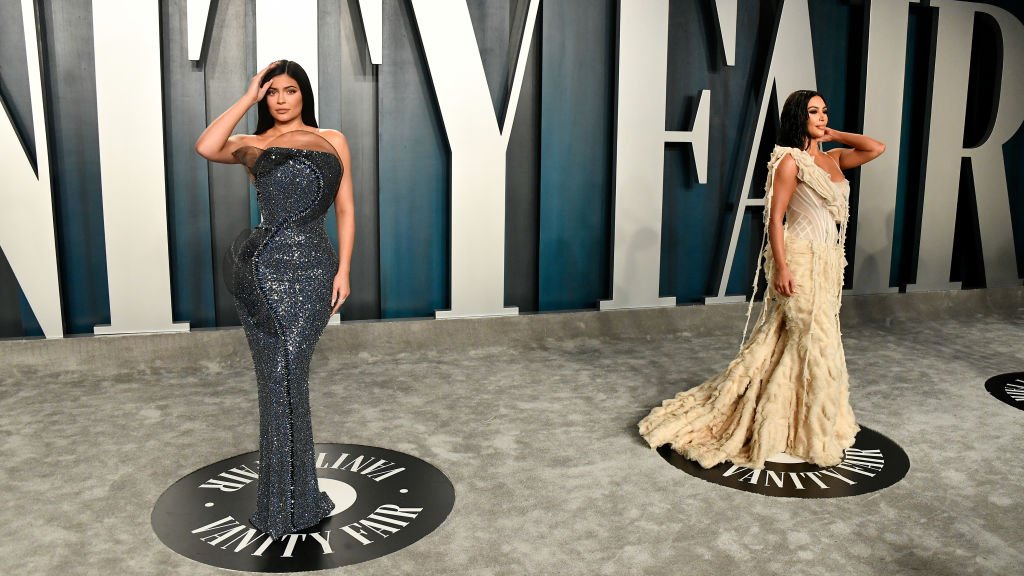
(533, 419)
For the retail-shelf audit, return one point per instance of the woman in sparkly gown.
(288, 278)
(787, 391)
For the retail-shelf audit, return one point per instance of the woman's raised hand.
(216, 142)
(257, 89)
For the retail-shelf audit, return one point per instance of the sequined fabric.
(283, 275)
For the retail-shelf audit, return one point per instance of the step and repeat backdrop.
(508, 156)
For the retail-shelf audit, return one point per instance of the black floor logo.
(1008, 387)
(872, 463)
(384, 501)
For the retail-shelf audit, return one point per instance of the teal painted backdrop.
(559, 185)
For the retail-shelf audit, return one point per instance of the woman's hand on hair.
(257, 89)
(863, 148)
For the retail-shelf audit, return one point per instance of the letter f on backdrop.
(478, 143)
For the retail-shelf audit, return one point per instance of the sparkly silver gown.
(283, 275)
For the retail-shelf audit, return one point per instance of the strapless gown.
(788, 389)
(283, 275)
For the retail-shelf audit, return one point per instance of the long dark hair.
(793, 120)
(264, 121)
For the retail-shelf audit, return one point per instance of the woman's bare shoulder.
(336, 138)
(787, 166)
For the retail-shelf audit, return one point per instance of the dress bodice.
(295, 183)
(819, 208)
(808, 216)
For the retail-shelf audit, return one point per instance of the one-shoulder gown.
(787, 391)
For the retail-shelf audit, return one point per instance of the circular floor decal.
(1008, 387)
(384, 501)
(874, 462)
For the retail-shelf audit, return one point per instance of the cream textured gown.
(787, 390)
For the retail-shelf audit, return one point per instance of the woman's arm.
(344, 213)
(864, 148)
(782, 191)
(216, 142)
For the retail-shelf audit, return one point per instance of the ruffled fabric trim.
(815, 176)
(837, 204)
(787, 390)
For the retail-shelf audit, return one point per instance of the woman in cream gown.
(787, 390)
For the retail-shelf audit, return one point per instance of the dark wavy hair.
(264, 121)
(793, 120)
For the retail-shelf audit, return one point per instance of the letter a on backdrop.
(791, 68)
